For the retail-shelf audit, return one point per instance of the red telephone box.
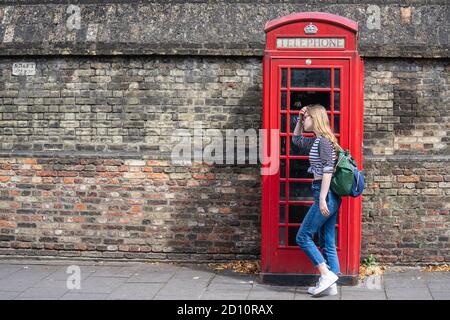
(310, 57)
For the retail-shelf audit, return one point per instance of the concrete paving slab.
(135, 291)
(7, 270)
(43, 293)
(84, 296)
(154, 276)
(9, 295)
(408, 294)
(28, 279)
(440, 294)
(104, 285)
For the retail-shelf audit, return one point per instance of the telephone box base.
(287, 279)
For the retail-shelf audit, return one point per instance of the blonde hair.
(321, 123)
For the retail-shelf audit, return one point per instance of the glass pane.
(293, 122)
(283, 146)
(300, 191)
(282, 191)
(282, 237)
(283, 124)
(284, 78)
(298, 169)
(296, 103)
(310, 97)
(310, 78)
(337, 101)
(282, 168)
(292, 235)
(337, 78)
(337, 124)
(297, 212)
(282, 213)
(283, 100)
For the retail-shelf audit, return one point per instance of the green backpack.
(346, 180)
(343, 175)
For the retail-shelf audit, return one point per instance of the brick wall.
(406, 107)
(122, 208)
(85, 143)
(85, 168)
(410, 28)
(406, 210)
(406, 148)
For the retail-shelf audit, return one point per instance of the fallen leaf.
(436, 268)
(241, 266)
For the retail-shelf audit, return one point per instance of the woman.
(322, 215)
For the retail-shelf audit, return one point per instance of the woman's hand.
(301, 115)
(302, 111)
(324, 208)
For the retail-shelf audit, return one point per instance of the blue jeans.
(315, 222)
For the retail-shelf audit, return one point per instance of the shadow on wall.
(217, 208)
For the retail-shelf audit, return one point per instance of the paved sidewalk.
(47, 279)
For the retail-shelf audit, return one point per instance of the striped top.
(322, 154)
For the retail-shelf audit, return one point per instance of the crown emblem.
(310, 28)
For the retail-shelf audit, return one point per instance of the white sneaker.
(324, 283)
(331, 291)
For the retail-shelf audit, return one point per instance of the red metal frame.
(312, 16)
(277, 259)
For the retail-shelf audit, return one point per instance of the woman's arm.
(328, 156)
(326, 181)
(299, 140)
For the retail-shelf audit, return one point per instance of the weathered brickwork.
(116, 208)
(125, 104)
(86, 170)
(408, 28)
(406, 107)
(85, 143)
(127, 108)
(406, 210)
(406, 149)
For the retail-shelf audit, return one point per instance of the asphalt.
(86, 280)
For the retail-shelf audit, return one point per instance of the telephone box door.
(295, 83)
